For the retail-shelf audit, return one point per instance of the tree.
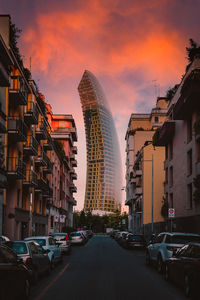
(14, 36)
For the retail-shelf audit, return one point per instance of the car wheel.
(166, 273)
(159, 264)
(52, 264)
(148, 260)
(187, 285)
(26, 292)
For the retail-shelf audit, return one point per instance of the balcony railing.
(17, 91)
(31, 146)
(48, 169)
(2, 121)
(74, 163)
(16, 168)
(74, 176)
(31, 113)
(31, 178)
(42, 159)
(48, 143)
(42, 184)
(73, 188)
(17, 129)
(74, 149)
(41, 131)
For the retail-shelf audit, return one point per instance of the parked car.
(14, 276)
(3, 239)
(84, 233)
(113, 233)
(36, 258)
(184, 268)
(48, 243)
(165, 244)
(122, 240)
(89, 233)
(63, 241)
(119, 236)
(77, 238)
(135, 241)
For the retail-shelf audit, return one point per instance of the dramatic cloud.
(135, 48)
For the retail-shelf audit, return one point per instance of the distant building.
(141, 129)
(103, 184)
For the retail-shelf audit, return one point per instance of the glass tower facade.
(103, 182)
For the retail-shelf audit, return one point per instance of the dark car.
(184, 268)
(135, 241)
(35, 257)
(14, 276)
(113, 233)
(89, 233)
(122, 240)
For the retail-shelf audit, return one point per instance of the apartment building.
(141, 129)
(180, 136)
(64, 134)
(30, 160)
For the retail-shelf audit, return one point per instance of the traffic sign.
(171, 212)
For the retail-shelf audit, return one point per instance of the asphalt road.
(102, 270)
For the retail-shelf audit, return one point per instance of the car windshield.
(75, 234)
(41, 242)
(184, 239)
(59, 236)
(18, 247)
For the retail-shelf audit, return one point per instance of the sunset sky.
(136, 49)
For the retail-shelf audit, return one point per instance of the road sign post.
(171, 215)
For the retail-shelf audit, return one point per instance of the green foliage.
(164, 208)
(99, 223)
(14, 36)
(171, 92)
(192, 51)
(156, 137)
(196, 194)
(27, 74)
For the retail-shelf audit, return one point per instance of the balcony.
(3, 178)
(30, 179)
(48, 144)
(2, 121)
(74, 176)
(73, 188)
(74, 150)
(42, 185)
(31, 146)
(47, 193)
(42, 159)
(17, 92)
(166, 133)
(31, 113)
(17, 129)
(66, 163)
(48, 169)
(74, 163)
(188, 101)
(16, 168)
(41, 131)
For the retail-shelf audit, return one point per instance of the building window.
(189, 163)
(189, 196)
(156, 119)
(171, 176)
(189, 130)
(171, 200)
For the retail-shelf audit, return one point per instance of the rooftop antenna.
(156, 88)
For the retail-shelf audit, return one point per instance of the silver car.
(48, 243)
(77, 238)
(34, 257)
(63, 241)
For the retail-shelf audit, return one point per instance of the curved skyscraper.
(103, 183)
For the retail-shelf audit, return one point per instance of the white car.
(48, 243)
(165, 244)
(77, 238)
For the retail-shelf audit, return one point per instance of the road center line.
(51, 283)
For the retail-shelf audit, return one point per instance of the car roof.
(36, 237)
(180, 233)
